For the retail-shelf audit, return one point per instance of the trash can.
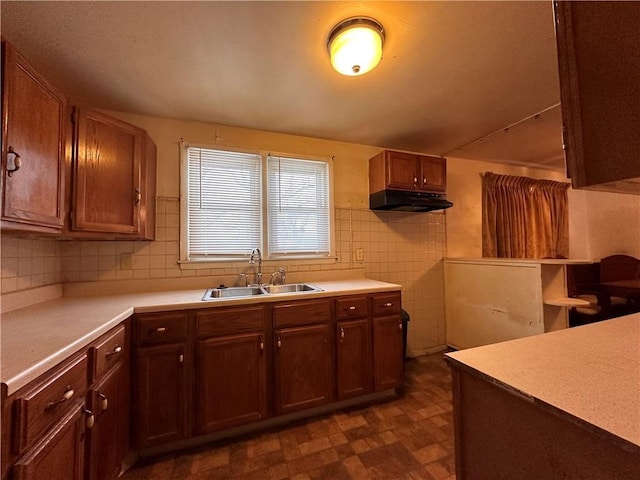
(405, 320)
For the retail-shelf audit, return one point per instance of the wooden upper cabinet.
(33, 134)
(391, 170)
(599, 67)
(113, 177)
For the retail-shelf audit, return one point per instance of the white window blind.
(298, 207)
(224, 203)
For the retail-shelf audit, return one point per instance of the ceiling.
(453, 77)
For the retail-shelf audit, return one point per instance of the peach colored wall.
(464, 189)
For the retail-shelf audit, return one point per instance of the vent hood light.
(355, 45)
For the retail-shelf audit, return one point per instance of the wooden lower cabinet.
(353, 358)
(60, 454)
(162, 384)
(303, 368)
(108, 439)
(231, 378)
(388, 362)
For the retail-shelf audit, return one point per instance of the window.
(235, 201)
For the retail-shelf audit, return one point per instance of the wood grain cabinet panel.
(353, 357)
(113, 176)
(387, 341)
(109, 436)
(391, 170)
(599, 73)
(33, 127)
(231, 381)
(59, 455)
(303, 367)
(162, 385)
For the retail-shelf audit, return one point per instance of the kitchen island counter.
(583, 381)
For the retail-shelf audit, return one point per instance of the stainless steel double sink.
(251, 291)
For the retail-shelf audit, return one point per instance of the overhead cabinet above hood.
(407, 182)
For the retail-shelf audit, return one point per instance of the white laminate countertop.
(36, 338)
(591, 372)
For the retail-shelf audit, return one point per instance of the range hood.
(407, 201)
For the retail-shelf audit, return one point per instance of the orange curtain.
(524, 217)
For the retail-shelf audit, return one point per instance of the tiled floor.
(407, 438)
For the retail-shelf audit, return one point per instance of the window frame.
(194, 263)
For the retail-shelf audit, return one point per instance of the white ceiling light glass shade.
(355, 45)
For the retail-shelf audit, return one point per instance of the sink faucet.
(252, 260)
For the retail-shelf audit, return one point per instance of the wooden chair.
(582, 283)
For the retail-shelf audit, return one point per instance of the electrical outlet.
(359, 255)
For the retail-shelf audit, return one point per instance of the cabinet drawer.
(386, 304)
(166, 327)
(351, 307)
(108, 351)
(301, 313)
(228, 321)
(46, 403)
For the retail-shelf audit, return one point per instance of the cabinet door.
(232, 382)
(353, 358)
(599, 73)
(109, 436)
(107, 174)
(401, 170)
(303, 368)
(434, 174)
(388, 364)
(59, 455)
(33, 128)
(162, 394)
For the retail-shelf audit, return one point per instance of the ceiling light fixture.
(355, 45)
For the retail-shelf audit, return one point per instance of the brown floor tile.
(410, 437)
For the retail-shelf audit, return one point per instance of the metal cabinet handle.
(341, 334)
(400, 325)
(261, 344)
(104, 402)
(14, 162)
(161, 329)
(424, 180)
(388, 304)
(352, 308)
(138, 196)
(67, 395)
(90, 421)
(116, 351)
(181, 358)
(278, 341)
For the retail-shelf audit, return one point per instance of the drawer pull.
(388, 304)
(161, 329)
(90, 421)
(116, 351)
(399, 325)
(261, 344)
(181, 358)
(104, 403)
(352, 308)
(67, 395)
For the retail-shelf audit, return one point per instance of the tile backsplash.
(403, 248)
